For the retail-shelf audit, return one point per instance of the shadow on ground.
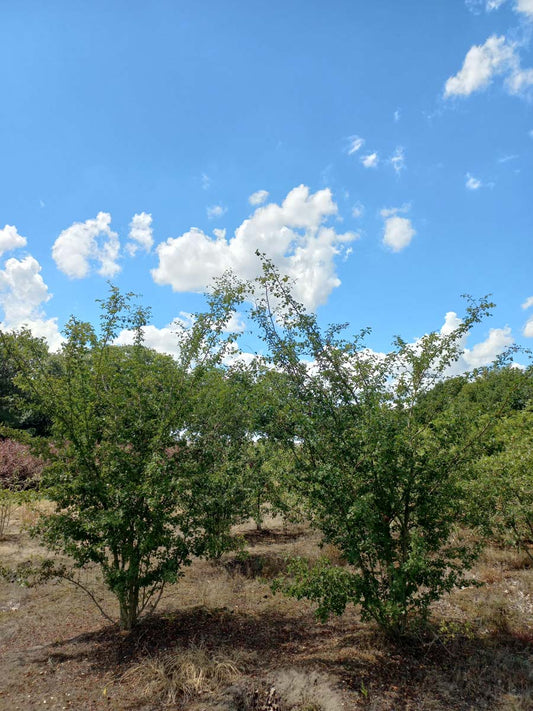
(459, 673)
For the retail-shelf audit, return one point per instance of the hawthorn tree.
(381, 474)
(140, 482)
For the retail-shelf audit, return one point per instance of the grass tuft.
(178, 676)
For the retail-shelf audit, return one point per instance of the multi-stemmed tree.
(382, 473)
(141, 479)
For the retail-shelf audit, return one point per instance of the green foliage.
(499, 492)
(382, 475)
(267, 480)
(142, 452)
(501, 487)
(17, 410)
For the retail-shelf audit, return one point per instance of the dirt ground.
(221, 640)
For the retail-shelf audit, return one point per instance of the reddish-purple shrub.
(19, 468)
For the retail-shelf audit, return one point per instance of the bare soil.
(222, 640)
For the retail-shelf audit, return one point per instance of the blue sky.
(381, 153)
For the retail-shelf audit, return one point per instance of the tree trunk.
(129, 607)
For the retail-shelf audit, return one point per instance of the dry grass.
(222, 641)
(177, 677)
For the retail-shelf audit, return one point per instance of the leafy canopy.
(141, 477)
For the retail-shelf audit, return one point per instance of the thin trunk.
(129, 609)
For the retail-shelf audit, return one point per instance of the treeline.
(151, 460)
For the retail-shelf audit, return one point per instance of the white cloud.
(216, 211)
(356, 143)
(398, 233)
(474, 6)
(22, 294)
(487, 351)
(497, 57)
(481, 63)
(22, 289)
(370, 161)
(258, 198)
(140, 233)
(525, 6)
(235, 324)
(292, 234)
(206, 182)
(481, 354)
(397, 115)
(167, 339)
(397, 159)
(528, 328)
(358, 210)
(390, 211)
(472, 183)
(86, 242)
(162, 340)
(451, 322)
(519, 80)
(10, 239)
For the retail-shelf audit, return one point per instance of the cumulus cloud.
(292, 234)
(472, 183)
(481, 354)
(355, 144)
(167, 339)
(22, 295)
(216, 211)
(370, 161)
(84, 243)
(10, 239)
(140, 234)
(481, 63)
(235, 324)
(397, 159)
(497, 57)
(398, 233)
(484, 353)
(528, 303)
(258, 198)
(206, 181)
(162, 340)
